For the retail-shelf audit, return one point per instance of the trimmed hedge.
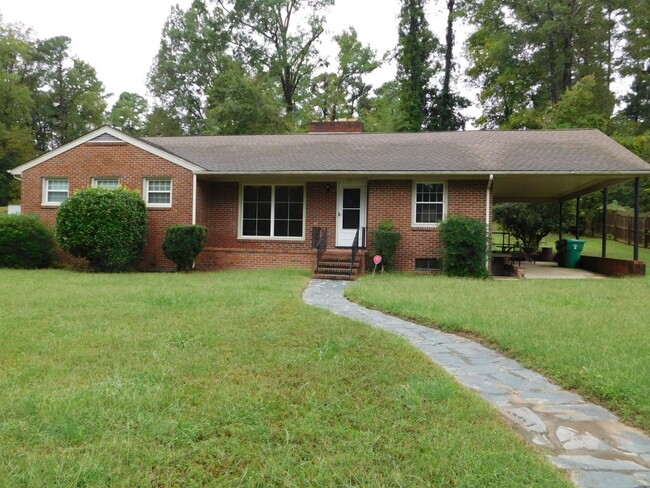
(183, 243)
(465, 241)
(385, 240)
(25, 242)
(107, 227)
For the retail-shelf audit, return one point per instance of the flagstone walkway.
(583, 438)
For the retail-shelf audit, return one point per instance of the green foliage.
(528, 222)
(25, 242)
(16, 104)
(107, 227)
(161, 123)
(385, 240)
(183, 243)
(268, 37)
(129, 113)
(415, 66)
(465, 241)
(239, 103)
(69, 99)
(191, 53)
(527, 54)
(379, 113)
(339, 95)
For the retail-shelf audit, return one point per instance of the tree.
(340, 94)
(443, 107)
(129, 113)
(16, 104)
(191, 54)
(239, 103)
(107, 227)
(161, 123)
(380, 113)
(636, 63)
(69, 99)
(415, 64)
(528, 222)
(527, 54)
(265, 37)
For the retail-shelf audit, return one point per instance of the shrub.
(465, 241)
(183, 243)
(385, 241)
(25, 242)
(107, 227)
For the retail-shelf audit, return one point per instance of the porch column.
(559, 232)
(637, 211)
(604, 232)
(578, 218)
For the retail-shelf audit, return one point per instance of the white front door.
(350, 213)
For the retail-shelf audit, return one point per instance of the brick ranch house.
(266, 200)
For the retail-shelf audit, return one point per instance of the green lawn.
(3, 210)
(229, 379)
(589, 335)
(593, 247)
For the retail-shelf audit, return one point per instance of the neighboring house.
(266, 199)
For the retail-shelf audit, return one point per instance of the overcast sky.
(120, 38)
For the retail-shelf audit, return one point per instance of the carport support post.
(578, 218)
(604, 232)
(637, 211)
(559, 232)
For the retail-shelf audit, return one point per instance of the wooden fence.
(621, 228)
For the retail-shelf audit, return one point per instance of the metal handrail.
(321, 246)
(355, 250)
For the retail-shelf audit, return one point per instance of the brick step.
(343, 277)
(337, 264)
(328, 259)
(328, 270)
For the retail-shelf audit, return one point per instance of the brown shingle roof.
(582, 151)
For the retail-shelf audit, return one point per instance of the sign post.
(376, 260)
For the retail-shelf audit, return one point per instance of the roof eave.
(18, 171)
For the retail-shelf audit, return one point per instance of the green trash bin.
(572, 250)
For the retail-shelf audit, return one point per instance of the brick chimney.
(338, 126)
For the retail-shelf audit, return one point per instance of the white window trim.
(240, 218)
(145, 192)
(45, 193)
(414, 203)
(104, 178)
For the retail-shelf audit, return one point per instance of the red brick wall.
(131, 165)
(387, 199)
(225, 250)
(393, 199)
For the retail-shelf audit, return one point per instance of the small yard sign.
(376, 260)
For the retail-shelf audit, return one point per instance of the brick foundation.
(612, 267)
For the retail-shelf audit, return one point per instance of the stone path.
(583, 438)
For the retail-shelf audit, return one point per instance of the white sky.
(120, 38)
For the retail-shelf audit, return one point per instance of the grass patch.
(589, 335)
(3, 210)
(229, 379)
(594, 247)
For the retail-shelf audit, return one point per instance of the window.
(429, 204)
(110, 183)
(273, 211)
(55, 190)
(158, 192)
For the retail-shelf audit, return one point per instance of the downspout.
(194, 199)
(487, 221)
